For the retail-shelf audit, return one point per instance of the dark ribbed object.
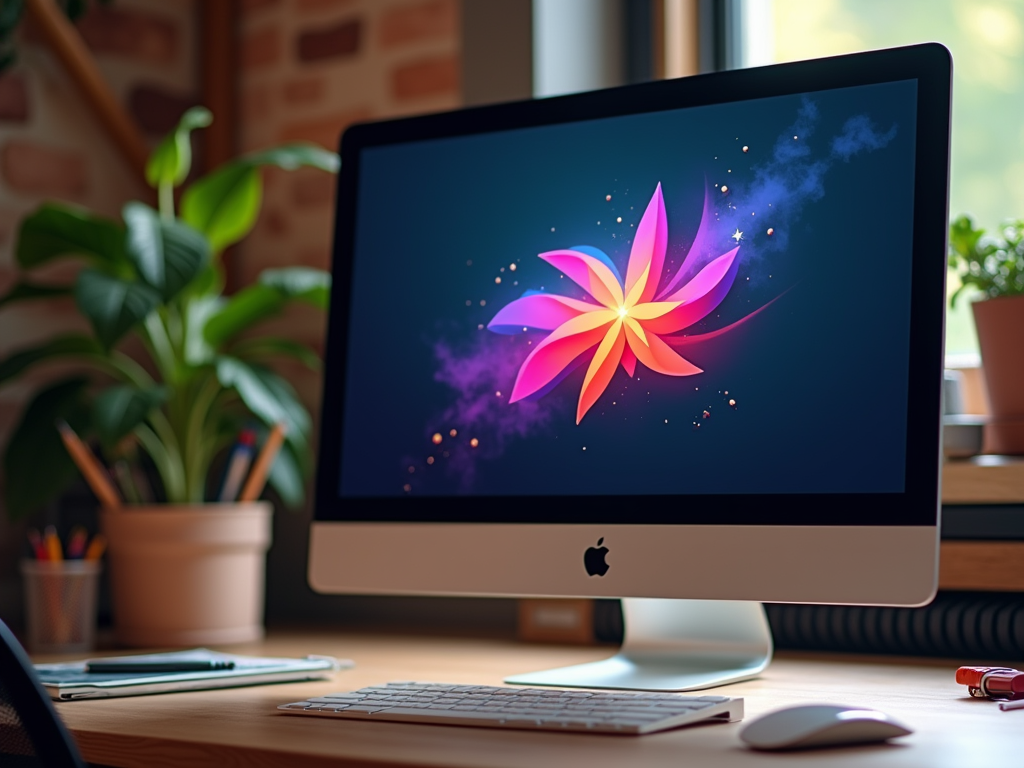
(962, 625)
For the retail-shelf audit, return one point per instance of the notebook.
(71, 680)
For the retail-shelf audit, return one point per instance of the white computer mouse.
(820, 725)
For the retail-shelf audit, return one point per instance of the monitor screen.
(694, 313)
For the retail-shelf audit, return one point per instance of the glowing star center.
(737, 235)
(623, 311)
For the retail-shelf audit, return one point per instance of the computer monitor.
(679, 340)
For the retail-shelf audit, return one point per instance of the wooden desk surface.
(241, 726)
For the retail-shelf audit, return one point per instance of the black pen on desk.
(117, 666)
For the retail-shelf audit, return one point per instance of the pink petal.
(699, 297)
(699, 250)
(659, 357)
(541, 311)
(559, 349)
(601, 369)
(648, 249)
(628, 361)
(591, 274)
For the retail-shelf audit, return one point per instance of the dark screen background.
(818, 376)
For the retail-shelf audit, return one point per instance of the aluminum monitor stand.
(674, 645)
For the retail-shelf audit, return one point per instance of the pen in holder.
(60, 604)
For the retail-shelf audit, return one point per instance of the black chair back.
(31, 734)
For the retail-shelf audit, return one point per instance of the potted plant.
(163, 382)
(994, 265)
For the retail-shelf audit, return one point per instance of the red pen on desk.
(993, 682)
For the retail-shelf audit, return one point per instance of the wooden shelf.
(983, 480)
(990, 566)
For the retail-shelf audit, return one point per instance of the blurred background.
(282, 70)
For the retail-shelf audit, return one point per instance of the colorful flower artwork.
(623, 322)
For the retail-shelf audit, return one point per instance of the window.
(986, 38)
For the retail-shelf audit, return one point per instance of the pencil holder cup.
(60, 604)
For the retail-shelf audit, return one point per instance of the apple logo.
(593, 559)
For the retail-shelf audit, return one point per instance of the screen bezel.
(930, 65)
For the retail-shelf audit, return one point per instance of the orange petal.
(658, 356)
(601, 369)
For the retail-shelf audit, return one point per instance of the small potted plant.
(994, 265)
(163, 383)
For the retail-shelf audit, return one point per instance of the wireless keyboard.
(530, 708)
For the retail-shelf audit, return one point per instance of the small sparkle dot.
(497, 280)
(474, 442)
(430, 459)
(607, 198)
(483, 302)
(412, 469)
(732, 403)
(512, 267)
(498, 393)
(502, 269)
(666, 421)
(706, 415)
(479, 326)
(794, 138)
(725, 188)
(584, 447)
(406, 487)
(469, 303)
(453, 433)
(619, 220)
(437, 438)
(771, 231)
(746, 148)
(552, 229)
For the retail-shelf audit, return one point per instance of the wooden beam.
(67, 44)
(219, 35)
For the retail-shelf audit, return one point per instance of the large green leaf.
(55, 230)
(292, 156)
(70, 346)
(167, 253)
(113, 305)
(225, 204)
(287, 478)
(267, 298)
(264, 347)
(36, 464)
(26, 290)
(119, 410)
(197, 312)
(172, 159)
(269, 398)
(306, 284)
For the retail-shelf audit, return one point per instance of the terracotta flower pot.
(187, 575)
(1000, 324)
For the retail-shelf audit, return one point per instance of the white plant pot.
(186, 575)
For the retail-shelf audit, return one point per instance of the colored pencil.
(52, 542)
(96, 547)
(90, 467)
(258, 477)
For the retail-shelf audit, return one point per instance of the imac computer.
(679, 343)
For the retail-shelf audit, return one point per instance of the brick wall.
(309, 68)
(52, 147)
